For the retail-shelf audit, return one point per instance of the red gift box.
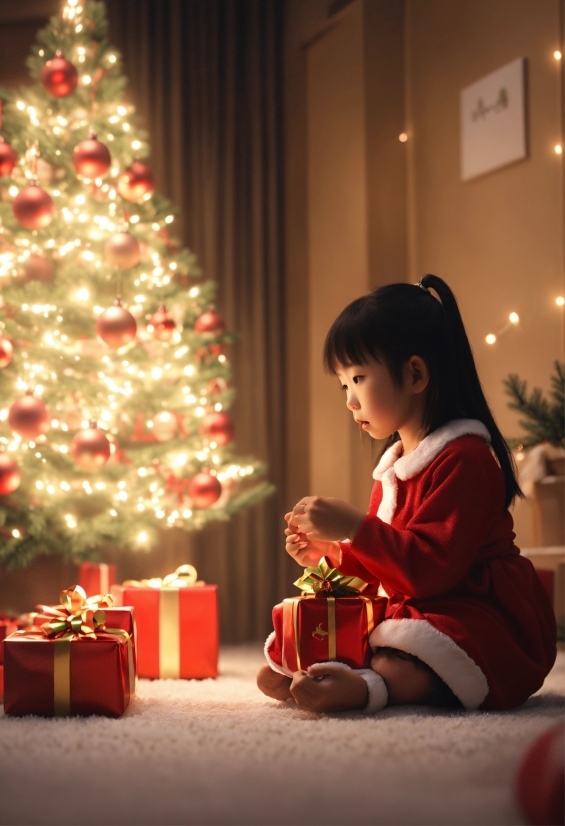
(331, 621)
(311, 630)
(96, 578)
(58, 677)
(177, 625)
(8, 625)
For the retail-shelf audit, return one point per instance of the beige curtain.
(206, 79)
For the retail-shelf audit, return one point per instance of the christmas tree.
(114, 376)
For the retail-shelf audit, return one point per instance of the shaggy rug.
(219, 752)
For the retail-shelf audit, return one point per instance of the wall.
(498, 239)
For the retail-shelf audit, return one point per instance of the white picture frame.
(493, 120)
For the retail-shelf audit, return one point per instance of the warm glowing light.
(558, 149)
(15, 533)
(136, 144)
(142, 536)
(490, 339)
(557, 54)
(13, 191)
(112, 58)
(193, 292)
(403, 137)
(83, 294)
(169, 219)
(560, 300)
(156, 227)
(78, 30)
(86, 79)
(514, 318)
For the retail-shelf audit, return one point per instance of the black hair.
(398, 321)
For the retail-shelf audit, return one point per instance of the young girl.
(468, 623)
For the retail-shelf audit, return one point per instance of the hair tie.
(419, 284)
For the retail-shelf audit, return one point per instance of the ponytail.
(465, 383)
(398, 321)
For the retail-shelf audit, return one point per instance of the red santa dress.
(439, 541)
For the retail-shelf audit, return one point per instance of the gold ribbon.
(76, 616)
(185, 576)
(325, 581)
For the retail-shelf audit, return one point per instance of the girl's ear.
(418, 374)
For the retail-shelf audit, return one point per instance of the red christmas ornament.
(116, 325)
(59, 76)
(218, 427)
(122, 250)
(90, 448)
(136, 182)
(38, 267)
(91, 158)
(204, 489)
(29, 417)
(210, 323)
(10, 476)
(6, 352)
(33, 208)
(162, 325)
(8, 158)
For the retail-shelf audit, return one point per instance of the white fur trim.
(376, 687)
(378, 692)
(388, 503)
(423, 455)
(440, 652)
(278, 668)
(387, 460)
(405, 467)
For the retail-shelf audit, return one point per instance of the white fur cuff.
(378, 693)
(376, 687)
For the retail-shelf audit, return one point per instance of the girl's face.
(378, 405)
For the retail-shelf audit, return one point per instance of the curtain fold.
(206, 79)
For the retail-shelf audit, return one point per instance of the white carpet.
(218, 752)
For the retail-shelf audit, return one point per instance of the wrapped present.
(72, 664)
(96, 578)
(177, 624)
(8, 625)
(331, 620)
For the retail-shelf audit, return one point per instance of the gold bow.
(77, 613)
(325, 581)
(185, 576)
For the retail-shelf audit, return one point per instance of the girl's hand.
(324, 518)
(306, 551)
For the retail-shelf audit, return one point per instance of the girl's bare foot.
(326, 688)
(273, 684)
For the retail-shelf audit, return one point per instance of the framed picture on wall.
(493, 120)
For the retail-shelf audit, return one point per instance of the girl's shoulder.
(469, 453)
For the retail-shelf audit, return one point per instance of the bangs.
(352, 338)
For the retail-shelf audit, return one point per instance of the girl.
(468, 623)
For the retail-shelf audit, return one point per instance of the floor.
(219, 752)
